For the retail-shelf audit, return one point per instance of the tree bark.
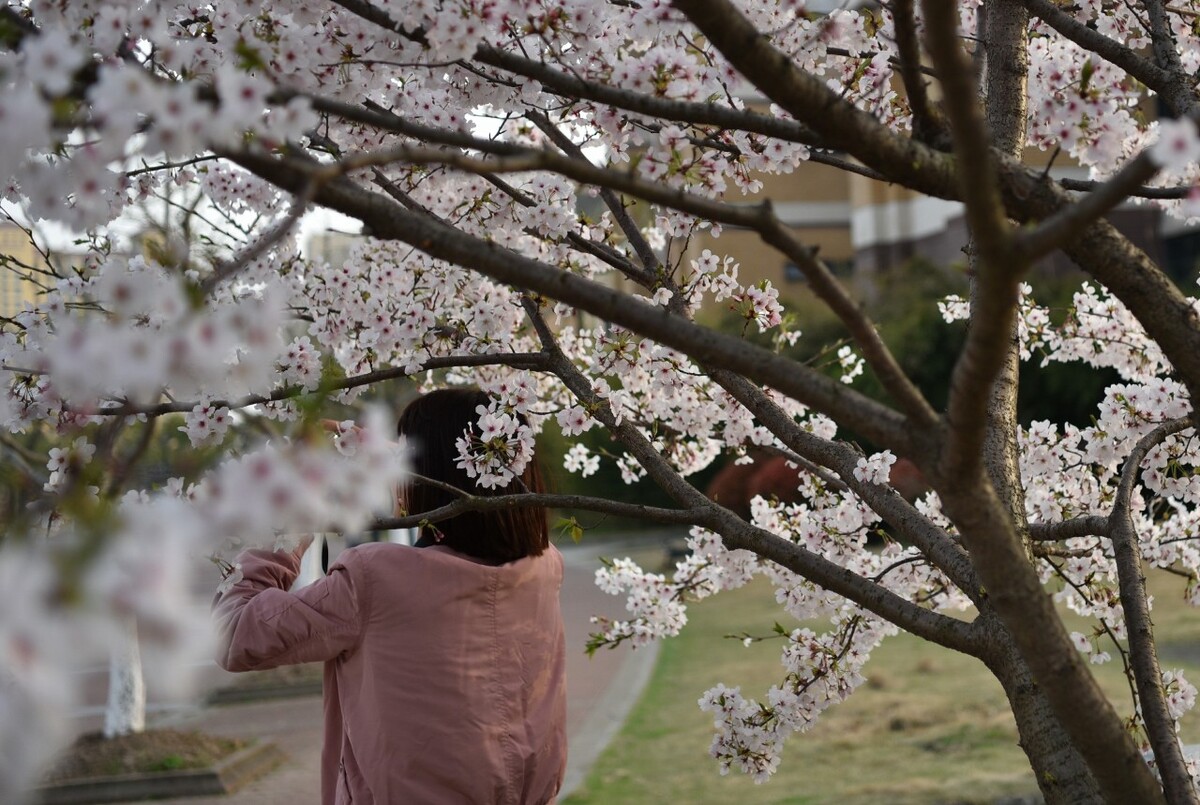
(1062, 774)
(1006, 67)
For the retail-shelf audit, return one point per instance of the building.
(862, 228)
(16, 290)
(330, 246)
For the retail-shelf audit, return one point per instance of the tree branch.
(1094, 526)
(575, 88)
(488, 503)
(699, 113)
(372, 13)
(605, 253)
(806, 97)
(1016, 594)
(736, 533)
(1003, 54)
(828, 289)
(927, 126)
(652, 269)
(1147, 674)
(520, 159)
(870, 54)
(1153, 298)
(994, 301)
(1181, 96)
(227, 270)
(1100, 250)
(1089, 185)
(1111, 50)
(984, 511)
(599, 250)
(1066, 225)
(947, 555)
(831, 481)
(761, 219)
(520, 360)
(183, 163)
(390, 221)
(848, 165)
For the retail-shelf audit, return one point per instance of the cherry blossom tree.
(463, 135)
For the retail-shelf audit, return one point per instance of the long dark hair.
(430, 425)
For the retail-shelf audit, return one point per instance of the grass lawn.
(929, 726)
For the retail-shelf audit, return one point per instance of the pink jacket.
(444, 677)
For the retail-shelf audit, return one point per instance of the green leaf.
(1085, 76)
(248, 56)
(571, 526)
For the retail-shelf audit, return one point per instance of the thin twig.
(652, 270)
(1089, 185)
(483, 503)
(170, 165)
(524, 360)
(1071, 221)
(225, 271)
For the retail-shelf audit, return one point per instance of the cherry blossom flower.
(579, 459)
(574, 421)
(1178, 144)
(875, 469)
(51, 60)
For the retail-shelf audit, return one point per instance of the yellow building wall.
(810, 181)
(762, 262)
(15, 289)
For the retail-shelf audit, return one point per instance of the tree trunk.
(1062, 774)
(126, 711)
(1006, 66)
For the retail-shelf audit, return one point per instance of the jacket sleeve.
(261, 625)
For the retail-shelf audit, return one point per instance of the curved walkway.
(601, 689)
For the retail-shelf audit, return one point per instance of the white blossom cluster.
(143, 566)
(415, 308)
(498, 452)
(822, 670)
(294, 489)
(149, 338)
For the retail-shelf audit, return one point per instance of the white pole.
(402, 536)
(310, 564)
(126, 710)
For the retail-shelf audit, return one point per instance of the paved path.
(600, 691)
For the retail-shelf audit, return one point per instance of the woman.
(444, 662)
